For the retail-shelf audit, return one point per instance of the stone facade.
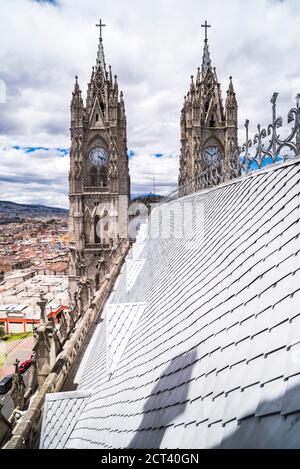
(99, 182)
(208, 131)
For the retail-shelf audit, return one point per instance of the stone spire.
(100, 62)
(206, 62)
(76, 105)
(231, 102)
(76, 95)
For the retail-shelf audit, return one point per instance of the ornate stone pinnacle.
(16, 365)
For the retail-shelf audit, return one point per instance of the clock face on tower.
(212, 155)
(98, 156)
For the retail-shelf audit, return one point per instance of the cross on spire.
(100, 26)
(206, 26)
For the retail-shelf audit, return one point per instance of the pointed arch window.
(87, 223)
(101, 227)
(93, 176)
(97, 230)
(97, 117)
(212, 122)
(196, 112)
(97, 281)
(103, 180)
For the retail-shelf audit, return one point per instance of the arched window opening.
(102, 106)
(103, 177)
(196, 112)
(97, 230)
(206, 106)
(97, 117)
(87, 230)
(93, 177)
(97, 281)
(212, 122)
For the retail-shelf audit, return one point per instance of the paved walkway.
(17, 349)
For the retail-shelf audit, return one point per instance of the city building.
(19, 311)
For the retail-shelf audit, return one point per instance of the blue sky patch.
(131, 154)
(62, 151)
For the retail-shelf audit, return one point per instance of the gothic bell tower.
(99, 183)
(209, 146)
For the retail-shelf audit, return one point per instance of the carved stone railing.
(96, 189)
(212, 176)
(97, 246)
(267, 146)
(26, 432)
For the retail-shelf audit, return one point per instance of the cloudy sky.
(153, 47)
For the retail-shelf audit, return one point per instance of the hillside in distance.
(11, 211)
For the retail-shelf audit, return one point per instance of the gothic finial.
(42, 304)
(198, 79)
(76, 86)
(192, 83)
(230, 87)
(16, 365)
(100, 54)
(206, 63)
(206, 26)
(100, 26)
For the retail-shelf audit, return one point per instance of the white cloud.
(154, 47)
(151, 172)
(35, 177)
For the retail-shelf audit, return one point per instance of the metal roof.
(212, 359)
